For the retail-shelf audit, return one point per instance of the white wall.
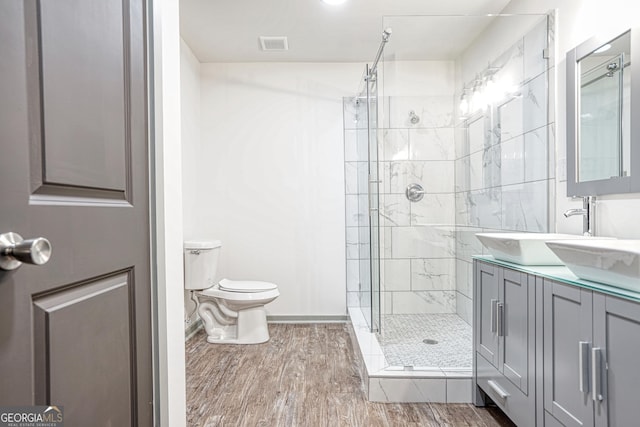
(191, 149)
(576, 22)
(271, 178)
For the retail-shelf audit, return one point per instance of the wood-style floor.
(307, 376)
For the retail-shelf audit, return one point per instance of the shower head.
(386, 34)
(414, 118)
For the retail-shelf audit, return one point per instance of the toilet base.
(251, 328)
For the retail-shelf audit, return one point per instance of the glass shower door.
(373, 196)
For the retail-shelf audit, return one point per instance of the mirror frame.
(613, 185)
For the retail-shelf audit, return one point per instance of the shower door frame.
(373, 192)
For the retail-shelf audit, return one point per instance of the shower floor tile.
(402, 340)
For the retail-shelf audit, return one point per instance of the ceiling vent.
(274, 43)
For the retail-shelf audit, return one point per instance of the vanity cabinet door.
(567, 326)
(486, 300)
(516, 327)
(615, 359)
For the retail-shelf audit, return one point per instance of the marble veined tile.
(476, 135)
(464, 308)
(534, 96)
(397, 275)
(434, 111)
(423, 242)
(536, 161)
(431, 144)
(433, 176)
(351, 177)
(353, 276)
(434, 209)
(485, 208)
(395, 210)
(433, 274)
(512, 165)
(352, 248)
(396, 144)
(464, 277)
(462, 174)
(511, 64)
(535, 41)
(510, 118)
(424, 302)
(524, 207)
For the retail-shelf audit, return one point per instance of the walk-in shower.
(450, 134)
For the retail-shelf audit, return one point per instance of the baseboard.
(308, 319)
(192, 329)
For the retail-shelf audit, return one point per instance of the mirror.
(601, 157)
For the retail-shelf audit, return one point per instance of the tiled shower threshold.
(384, 383)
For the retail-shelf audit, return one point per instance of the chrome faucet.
(588, 213)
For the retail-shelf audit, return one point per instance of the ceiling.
(228, 30)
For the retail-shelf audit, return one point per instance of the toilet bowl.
(232, 311)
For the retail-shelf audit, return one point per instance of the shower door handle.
(372, 181)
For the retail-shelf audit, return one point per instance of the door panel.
(76, 332)
(84, 80)
(486, 297)
(567, 322)
(61, 347)
(617, 334)
(519, 333)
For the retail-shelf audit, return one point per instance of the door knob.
(14, 251)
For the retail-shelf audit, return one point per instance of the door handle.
(497, 389)
(494, 315)
(583, 366)
(500, 328)
(596, 369)
(14, 250)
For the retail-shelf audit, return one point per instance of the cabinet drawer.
(518, 406)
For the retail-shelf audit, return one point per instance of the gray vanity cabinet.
(616, 347)
(552, 353)
(591, 355)
(505, 340)
(567, 323)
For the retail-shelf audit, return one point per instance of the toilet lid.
(245, 286)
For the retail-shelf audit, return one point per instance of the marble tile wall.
(356, 203)
(491, 171)
(503, 155)
(417, 238)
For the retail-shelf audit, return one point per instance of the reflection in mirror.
(603, 151)
(604, 121)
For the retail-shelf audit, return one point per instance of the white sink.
(523, 248)
(613, 262)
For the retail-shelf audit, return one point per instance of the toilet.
(232, 311)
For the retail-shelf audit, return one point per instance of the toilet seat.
(245, 286)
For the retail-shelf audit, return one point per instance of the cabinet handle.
(596, 365)
(500, 328)
(583, 363)
(499, 390)
(494, 315)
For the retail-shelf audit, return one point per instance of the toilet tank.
(200, 263)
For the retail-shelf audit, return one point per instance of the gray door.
(567, 323)
(517, 338)
(486, 300)
(617, 340)
(75, 331)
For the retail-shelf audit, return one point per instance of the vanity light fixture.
(333, 2)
